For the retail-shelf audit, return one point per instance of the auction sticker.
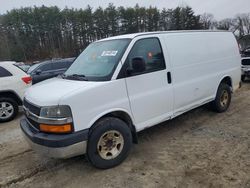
(109, 53)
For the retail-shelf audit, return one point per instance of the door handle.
(169, 77)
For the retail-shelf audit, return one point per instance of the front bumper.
(54, 145)
(245, 72)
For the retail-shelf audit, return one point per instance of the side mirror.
(138, 65)
(38, 72)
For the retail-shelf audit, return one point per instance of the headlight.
(56, 112)
(56, 119)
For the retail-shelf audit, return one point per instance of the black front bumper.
(52, 140)
(246, 73)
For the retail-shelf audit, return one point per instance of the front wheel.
(223, 98)
(109, 143)
(8, 109)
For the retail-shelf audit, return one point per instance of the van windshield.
(98, 61)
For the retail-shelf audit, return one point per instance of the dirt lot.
(198, 149)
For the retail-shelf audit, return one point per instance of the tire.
(243, 78)
(5, 104)
(223, 98)
(99, 143)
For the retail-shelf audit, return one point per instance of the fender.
(92, 122)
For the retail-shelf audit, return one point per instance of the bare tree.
(226, 24)
(243, 24)
(207, 20)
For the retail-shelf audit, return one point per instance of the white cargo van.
(124, 84)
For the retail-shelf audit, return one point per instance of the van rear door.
(150, 91)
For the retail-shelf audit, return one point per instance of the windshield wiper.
(75, 77)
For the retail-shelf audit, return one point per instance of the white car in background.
(13, 83)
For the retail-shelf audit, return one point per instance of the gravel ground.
(198, 149)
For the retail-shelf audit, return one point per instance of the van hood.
(49, 92)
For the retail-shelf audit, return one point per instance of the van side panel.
(199, 62)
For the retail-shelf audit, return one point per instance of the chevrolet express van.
(121, 85)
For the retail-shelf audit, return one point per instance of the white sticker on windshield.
(109, 53)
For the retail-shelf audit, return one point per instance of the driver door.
(150, 92)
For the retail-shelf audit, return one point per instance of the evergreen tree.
(37, 33)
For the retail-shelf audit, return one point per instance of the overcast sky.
(219, 8)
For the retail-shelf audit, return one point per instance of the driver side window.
(150, 50)
(45, 67)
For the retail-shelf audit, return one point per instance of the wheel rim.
(110, 144)
(224, 98)
(6, 110)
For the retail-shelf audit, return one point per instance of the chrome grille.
(31, 107)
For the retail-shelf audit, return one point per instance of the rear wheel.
(8, 109)
(223, 98)
(109, 143)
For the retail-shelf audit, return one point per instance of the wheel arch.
(227, 80)
(13, 95)
(121, 114)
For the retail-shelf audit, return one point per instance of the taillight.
(27, 79)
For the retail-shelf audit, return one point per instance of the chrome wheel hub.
(6, 110)
(224, 99)
(110, 145)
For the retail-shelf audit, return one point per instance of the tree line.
(36, 33)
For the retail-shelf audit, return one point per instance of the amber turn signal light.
(67, 128)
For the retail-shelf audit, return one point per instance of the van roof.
(133, 35)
